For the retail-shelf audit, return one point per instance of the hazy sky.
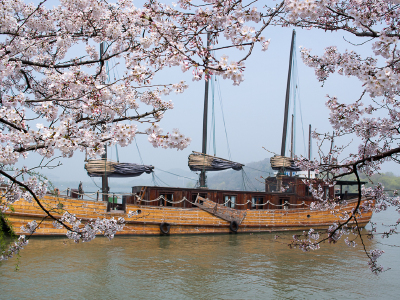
(253, 111)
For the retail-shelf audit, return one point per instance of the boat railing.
(118, 201)
(114, 200)
(228, 203)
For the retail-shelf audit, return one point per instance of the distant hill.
(390, 181)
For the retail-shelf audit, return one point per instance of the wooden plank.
(221, 211)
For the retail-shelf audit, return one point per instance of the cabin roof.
(273, 179)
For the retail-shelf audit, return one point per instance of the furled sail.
(278, 162)
(97, 168)
(200, 161)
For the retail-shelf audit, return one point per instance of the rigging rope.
(249, 182)
(257, 169)
(116, 152)
(212, 132)
(296, 95)
(95, 183)
(137, 147)
(158, 178)
(176, 174)
(197, 184)
(115, 69)
(243, 182)
(154, 179)
(223, 118)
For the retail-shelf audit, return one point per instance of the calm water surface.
(243, 266)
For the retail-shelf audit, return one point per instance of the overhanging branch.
(36, 199)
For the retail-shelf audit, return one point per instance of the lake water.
(242, 266)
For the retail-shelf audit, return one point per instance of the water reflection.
(194, 267)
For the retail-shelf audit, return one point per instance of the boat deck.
(180, 220)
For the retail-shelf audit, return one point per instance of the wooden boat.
(193, 211)
(284, 205)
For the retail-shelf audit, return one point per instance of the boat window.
(230, 201)
(284, 202)
(272, 187)
(308, 192)
(256, 202)
(194, 196)
(166, 199)
(327, 192)
(287, 186)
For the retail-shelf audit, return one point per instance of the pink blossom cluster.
(322, 201)
(30, 227)
(175, 139)
(350, 243)
(378, 73)
(305, 9)
(13, 191)
(334, 233)
(382, 199)
(192, 21)
(14, 248)
(373, 264)
(307, 241)
(86, 232)
(377, 192)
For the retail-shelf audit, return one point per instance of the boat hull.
(156, 220)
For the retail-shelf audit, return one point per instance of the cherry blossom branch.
(73, 64)
(275, 13)
(12, 125)
(137, 117)
(372, 158)
(21, 184)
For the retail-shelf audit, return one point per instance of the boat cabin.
(292, 190)
(176, 197)
(281, 192)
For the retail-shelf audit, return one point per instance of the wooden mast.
(309, 148)
(285, 120)
(292, 142)
(205, 114)
(292, 139)
(104, 179)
